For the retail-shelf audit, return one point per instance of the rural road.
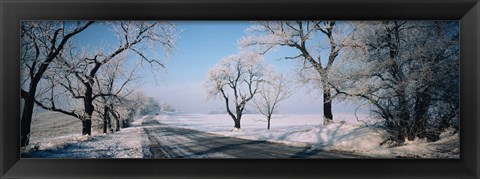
(173, 142)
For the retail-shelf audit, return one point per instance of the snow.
(446, 147)
(128, 143)
(61, 139)
(346, 135)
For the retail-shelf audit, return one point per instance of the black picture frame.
(12, 11)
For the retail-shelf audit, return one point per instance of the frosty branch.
(236, 77)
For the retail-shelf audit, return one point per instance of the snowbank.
(347, 135)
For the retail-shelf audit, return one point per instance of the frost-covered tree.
(41, 42)
(318, 43)
(273, 91)
(165, 107)
(80, 68)
(408, 71)
(114, 81)
(150, 106)
(236, 79)
(129, 108)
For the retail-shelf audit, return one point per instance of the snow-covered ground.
(347, 134)
(55, 135)
(58, 136)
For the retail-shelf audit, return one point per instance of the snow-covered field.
(346, 134)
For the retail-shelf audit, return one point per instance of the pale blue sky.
(201, 45)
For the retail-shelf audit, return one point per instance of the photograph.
(237, 89)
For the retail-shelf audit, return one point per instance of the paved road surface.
(174, 142)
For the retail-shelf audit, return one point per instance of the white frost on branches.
(237, 79)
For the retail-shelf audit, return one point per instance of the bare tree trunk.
(106, 119)
(239, 116)
(404, 117)
(89, 108)
(109, 122)
(327, 106)
(420, 114)
(87, 127)
(29, 99)
(116, 117)
(268, 120)
(27, 118)
(237, 124)
(117, 124)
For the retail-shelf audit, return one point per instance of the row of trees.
(409, 73)
(406, 70)
(152, 107)
(59, 74)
